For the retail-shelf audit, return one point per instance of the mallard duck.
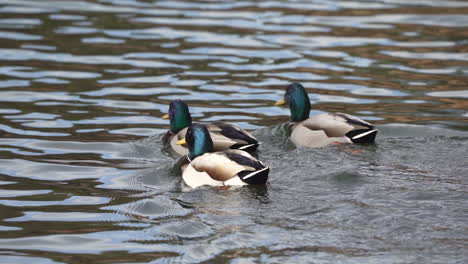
(224, 135)
(323, 129)
(230, 167)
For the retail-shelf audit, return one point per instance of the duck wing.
(232, 167)
(323, 129)
(255, 171)
(335, 124)
(362, 132)
(354, 121)
(227, 136)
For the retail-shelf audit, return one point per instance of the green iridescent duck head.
(298, 101)
(198, 141)
(179, 116)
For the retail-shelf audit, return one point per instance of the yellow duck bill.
(181, 142)
(281, 102)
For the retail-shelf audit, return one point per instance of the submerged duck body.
(224, 136)
(223, 168)
(323, 129)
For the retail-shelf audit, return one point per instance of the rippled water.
(83, 178)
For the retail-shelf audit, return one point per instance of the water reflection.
(84, 177)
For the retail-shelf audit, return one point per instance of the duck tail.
(362, 135)
(255, 177)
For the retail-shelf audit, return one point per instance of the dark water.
(83, 85)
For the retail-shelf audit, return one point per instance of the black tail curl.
(255, 177)
(362, 135)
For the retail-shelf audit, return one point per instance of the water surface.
(83, 174)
